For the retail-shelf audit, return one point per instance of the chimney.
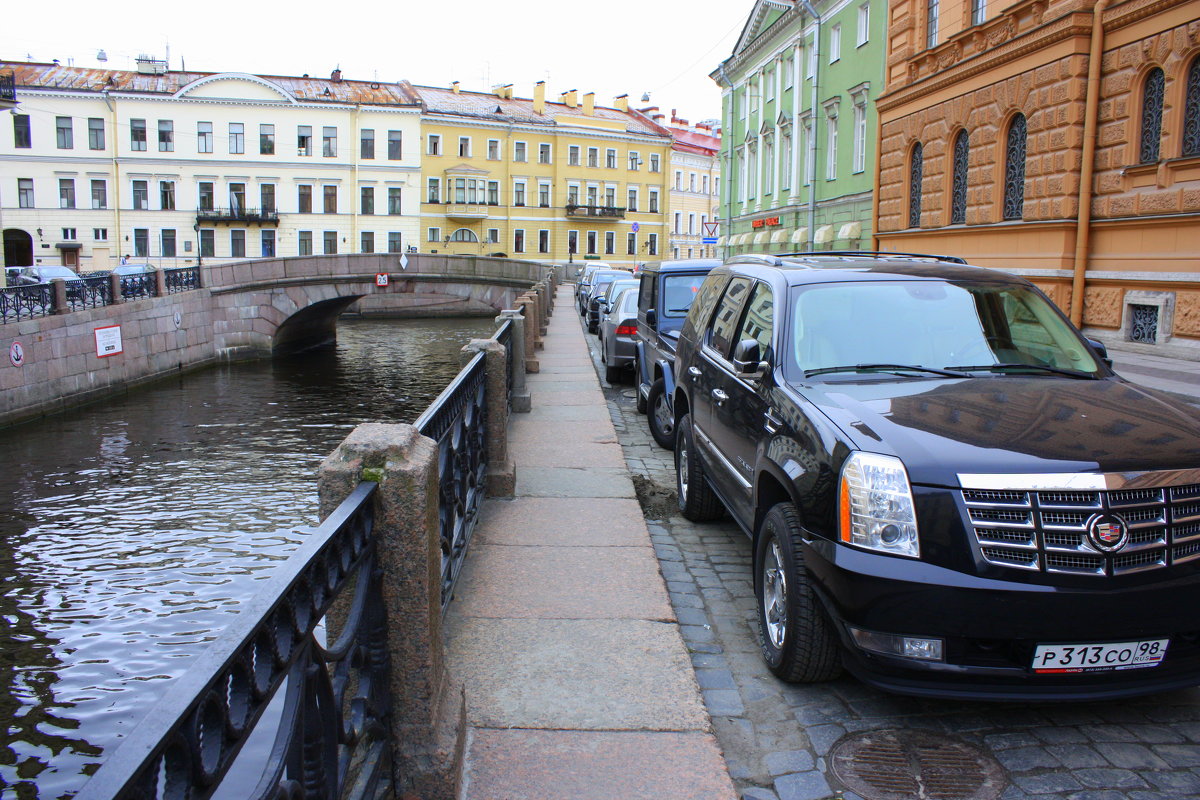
(336, 76)
(504, 92)
(570, 99)
(658, 116)
(454, 87)
(589, 104)
(539, 97)
(622, 103)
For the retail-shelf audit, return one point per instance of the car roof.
(683, 264)
(831, 267)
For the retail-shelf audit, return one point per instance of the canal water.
(131, 530)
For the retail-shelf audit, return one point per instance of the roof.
(805, 268)
(302, 89)
(696, 142)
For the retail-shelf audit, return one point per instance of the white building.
(168, 166)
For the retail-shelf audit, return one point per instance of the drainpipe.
(356, 196)
(112, 107)
(812, 139)
(876, 183)
(1083, 226)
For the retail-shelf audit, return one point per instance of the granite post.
(160, 282)
(58, 287)
(114, 288)
(521, 402)
(501, 480)
(427, 727)
(528, 308)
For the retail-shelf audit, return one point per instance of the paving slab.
(573, 482)
(563, 444)
(582, 414)
(563, 522)
(592, 765)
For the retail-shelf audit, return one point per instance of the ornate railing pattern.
(457, 421)
(26, 302)
(134, 286)
(183, 279)
(334, 726)
(89, 293)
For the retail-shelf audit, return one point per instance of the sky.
(610, 47)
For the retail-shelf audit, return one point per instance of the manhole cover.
(902, 765)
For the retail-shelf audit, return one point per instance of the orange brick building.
(1058, 139)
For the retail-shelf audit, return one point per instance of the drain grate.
(903, 765)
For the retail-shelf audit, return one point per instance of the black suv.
(664, 298)
(949, 491)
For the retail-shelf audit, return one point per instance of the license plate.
(1048, 658)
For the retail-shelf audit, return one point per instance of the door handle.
(719, 397)
(694, 372)
(771, 423)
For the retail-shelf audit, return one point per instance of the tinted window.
(725, 321)
(759, 320)
(646, 293)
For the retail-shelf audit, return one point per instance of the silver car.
(618, 334)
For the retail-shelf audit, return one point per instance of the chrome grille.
(1046, 530)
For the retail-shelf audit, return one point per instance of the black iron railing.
(333, 736)
(8, 87)
(135, 286)
(183, 279)
(268, 216)
(89, 293)
(596, 212)
(26, 302)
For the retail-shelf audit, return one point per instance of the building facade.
(1059, 139)
(695, 178)
(798, 126)
(529, 178)
(173, 167)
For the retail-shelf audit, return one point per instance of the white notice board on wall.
(108, 341)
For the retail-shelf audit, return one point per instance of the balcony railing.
(466, 210)
(8, 88)
(261, 216)
(596, 212)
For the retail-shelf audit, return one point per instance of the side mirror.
(747, 359)
(1099, 347)
(651, 317)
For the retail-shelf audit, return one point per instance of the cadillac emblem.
(1107, 533)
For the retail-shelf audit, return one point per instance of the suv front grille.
(1046, 531)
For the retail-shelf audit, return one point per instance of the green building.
(799, 127)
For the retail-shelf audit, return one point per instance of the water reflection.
(131, 529)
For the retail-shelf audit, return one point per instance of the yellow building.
(552, 181)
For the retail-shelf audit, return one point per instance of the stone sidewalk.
(578, 683)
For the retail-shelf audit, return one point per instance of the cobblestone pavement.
(777, 737)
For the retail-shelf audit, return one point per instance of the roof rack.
(874, 254)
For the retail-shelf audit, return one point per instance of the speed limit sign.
(381, 279)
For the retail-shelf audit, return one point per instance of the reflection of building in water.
(1108, 420)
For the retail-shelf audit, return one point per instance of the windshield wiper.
(808, 373)
(1007, 368)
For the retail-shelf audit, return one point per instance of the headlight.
(876, 507)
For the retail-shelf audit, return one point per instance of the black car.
(949, 491)
(666, 293)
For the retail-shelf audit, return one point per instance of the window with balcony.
(204, 137)
(366, 200)
(22, 136)
(572, 194)
(99, 194)
(237, 138)
(237, 199)
(66, 192)
(266, 198)
(137, 134)
(166, 136)
(329, 141)
(610, 196)
(166, 195)
(266, 141)
(65, 133)
(206, 195)
(141, 195)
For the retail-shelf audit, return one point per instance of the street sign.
(108, 341)
(381, 279)
(636, 227)
(16, 354)
(709, 240)
(710, 231)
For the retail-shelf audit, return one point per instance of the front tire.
(798, 643)
(697, 501)
(660, 417)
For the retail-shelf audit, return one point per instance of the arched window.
(915, 170)
(1152, 107)
(958, 191)
(464, 235)
(1014, 169)
(1191, 111)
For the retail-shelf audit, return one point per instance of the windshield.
(678, 293)
(938, 325)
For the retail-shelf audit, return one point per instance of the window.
(366, 200)
(65, 132)
(237, 243)
(518, 241)
(691, 181)
(519, 152)
(141, 192)
(267, 242)
(66, 192)
(99, 194)
(958, 188)
(785, 165)
(631, 244)
(394, 242)
(366, 143)
(208, 243)
(591, 243)
(1191, 112)
(69, 234)
(329, 142)
(464, 235)
(304, 198)
(811, 62)
(204, 137)
(572, 194)
(366, 242)
(1014, 169)
(464, 147)
(141, 242)
(22, 137)
(591, 196)
(493, 193)
(166, 242)
(206, 196)
(266, 198)
(433, 192)
(543, 153)
(304, 140)
(100, 234)
(395, 205)
(655, 166)
(237, 198)
(573, 155)
(835, 43)
(593, 157)
(433, 146)
(519, 193)
(632, 202)
(653, 208)
(266, 143)
(493, 235)
(678, 180)
(978, 11)
(652, 244)
(460, 189)
(395, 145)
(166, 195)
(610, 196)
(635, 160)
(831, 142)
(329, 243)
(610, 158)
(543, 241)
(166, 136)
(863, 34)
(752, 171)
(678, 222)
(931, 23)
(304, 243)
(789, 67)
(787, 160)
(610, 242)
(916, 168)
(572, 241)
(1152, 108)
(330, 199)
(859, 157)
(237, 138)
(691, 224)
(543, 195)
(768, 81)
(433, 235)
(137, 134)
